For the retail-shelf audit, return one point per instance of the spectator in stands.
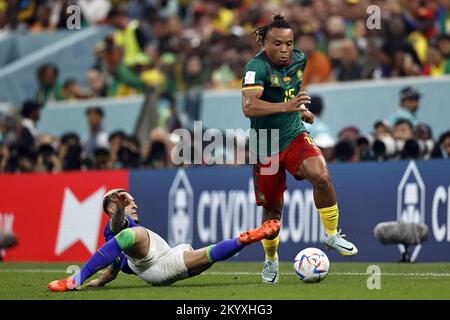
(70, 151)
(151, 72)
(116, 142)
(101, 159)
(42, 22)
(403, 58)
(195, 75)
(121, 80)
(97, 137)
(382, 129)
(318, 68)
(435, 63)
(349, 67)
(442, 148)
(350, 134)
(403, 134)
(383, 146)
(96, 84)
(7, 129)
(158, 154)
(344, 151)
(425, 29)
(409, 105)
(443, 42)
(28, 134)
(129, 36)
(220, 17)
(49, 87)
(129, 155)
(72, 90)
(47, 159)
(223, 76)
(319, 130)
(363, 150)
(403, 130)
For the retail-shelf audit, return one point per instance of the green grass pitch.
(239, 280)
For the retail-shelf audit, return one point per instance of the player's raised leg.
(134, 240)
(197, 261)
(315, 170)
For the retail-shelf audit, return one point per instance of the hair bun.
(278, 16)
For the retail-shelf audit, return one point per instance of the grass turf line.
(240, 280)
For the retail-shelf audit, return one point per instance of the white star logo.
(80, 220)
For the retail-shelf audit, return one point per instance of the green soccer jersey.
(280, 84)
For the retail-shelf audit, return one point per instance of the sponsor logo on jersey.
(286, 79)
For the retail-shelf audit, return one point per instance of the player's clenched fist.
(297, 103)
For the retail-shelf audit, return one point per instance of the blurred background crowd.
(184, 47)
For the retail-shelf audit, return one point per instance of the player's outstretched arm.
(108, 275)
(253, 106)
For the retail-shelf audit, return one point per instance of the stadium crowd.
(23, 149)
(180, 46)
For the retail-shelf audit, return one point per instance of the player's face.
(279, 45)
(411, 104)
(131, 209)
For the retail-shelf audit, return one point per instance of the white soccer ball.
(311, 265)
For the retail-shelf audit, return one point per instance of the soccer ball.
(311, 265)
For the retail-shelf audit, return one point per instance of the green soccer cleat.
(270, 272)
(337, 242)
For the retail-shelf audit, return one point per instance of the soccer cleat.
(270, 272)
(337, 242)
(266, 230)
(62, 285)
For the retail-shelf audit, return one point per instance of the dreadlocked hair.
(260, 33)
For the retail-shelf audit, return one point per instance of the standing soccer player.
(272, 99)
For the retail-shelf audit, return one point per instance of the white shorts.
(163, 265)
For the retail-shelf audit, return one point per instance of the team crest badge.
(300, 75)
(262, 197)
(274, 81)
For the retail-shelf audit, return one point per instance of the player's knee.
(322, 180)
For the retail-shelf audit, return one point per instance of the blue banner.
(205, 205)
